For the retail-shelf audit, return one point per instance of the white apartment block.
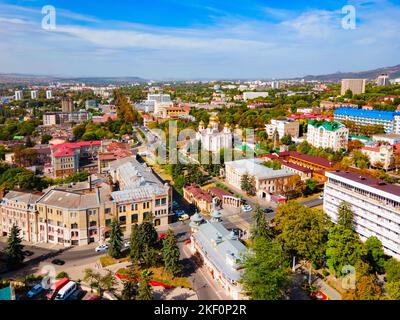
(34, 94)
(356, 86)
(254, 95)
(375, 205)
(283, 127)
(18, 95)
(49, 94)
(327, 135)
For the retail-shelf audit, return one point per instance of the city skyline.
(192, 39)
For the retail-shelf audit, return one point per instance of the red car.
(319, 295)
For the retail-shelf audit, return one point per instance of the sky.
(197, 39)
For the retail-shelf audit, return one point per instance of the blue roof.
(380, 114)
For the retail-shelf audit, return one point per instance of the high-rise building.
(275, 84)
(383, 80)
(49, 94)
(67, 105)
(375, 205)
(18, 95)
(34, 94)
(356, 86)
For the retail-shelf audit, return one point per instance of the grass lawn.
(160, 275)
(108, 261)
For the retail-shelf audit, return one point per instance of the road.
(313, 202)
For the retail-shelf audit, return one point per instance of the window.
(134, 218)
(107, 210)
(122, 209)
(134, 206)
(122, 220)
(92, 223)
(108, 222)
(74, 226)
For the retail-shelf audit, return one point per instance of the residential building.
(67, 105)
(49, 94)
(374, 203)
(18, 208)
(34, 94)
(59, 118)
(356, 86)
(212, 139)
(326, 134)
(283, 127)
(267, 181)
(74, 214)
(141, 194)
(383, 155)
(18, 95)
(383, 80)
(110, 152)
(329, 105)
(387, 138)
(159, 98)
(222, 254)
(388, 119)
(254, 95)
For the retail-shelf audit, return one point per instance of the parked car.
(246, 208)
(77, 295)
(58, 262)
(184, 217)
(34, 291)
(268, 210)
(101, 248)
(321, 196)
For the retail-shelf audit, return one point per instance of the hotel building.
(375, 204)
(283, 127)
(326, 134)
(356, 86)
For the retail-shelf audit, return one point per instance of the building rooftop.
(367, 181)
(23, 197)
(312, 159)
(327, 125)
(224, 250)
(254, 168)
(380, 114)
(198, 193)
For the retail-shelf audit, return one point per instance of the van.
(66, 291)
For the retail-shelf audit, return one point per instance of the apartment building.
(283, 127)
(388, 119)
(326, 134)
(356, 86)
(141, 194)
(375, 204)
(267, 180)
(383, 155)
(59, 118)
(18, 208)
(254, 95)
(74, 214)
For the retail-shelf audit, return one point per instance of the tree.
(148, 234)
(144, 291)
(302, 230)
(116, 239)
(345, 216)
(393, 290)
(311, 186)
(348, 94)
(264, 276)
(286, 140)
(360, 160)
(14, 250)
(150, 256)
(375, 254)
(260, 226)
(171, 254)
(343, 248)
(97, 280)
(247, 184)
(135, 245)
(129, 290)
(392, 270)
(46, 138)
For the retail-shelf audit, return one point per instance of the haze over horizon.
(208, 39)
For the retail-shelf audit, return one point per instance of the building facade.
(375, 205)
(325, 134)
(356, 86)
(283, 127)
(382, 155)
(212, 139)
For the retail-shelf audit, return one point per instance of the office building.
(383, 80)
(375, 205)
(356, 86)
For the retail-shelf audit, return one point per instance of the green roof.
(18, 137)
(327, 125)
(353, 136)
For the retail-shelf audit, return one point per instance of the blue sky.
(176, 39)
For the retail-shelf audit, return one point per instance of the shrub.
(61, 275)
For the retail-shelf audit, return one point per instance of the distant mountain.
(43, 79)
(394, 72)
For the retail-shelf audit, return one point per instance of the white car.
(246, 208)
(184, 217)
(101, 248)
(321, 196)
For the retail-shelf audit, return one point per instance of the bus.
(51, 294)
(66, 291)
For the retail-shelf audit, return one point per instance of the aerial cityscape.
(206, 150)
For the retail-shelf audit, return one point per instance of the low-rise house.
(380, 156)
(199, 197)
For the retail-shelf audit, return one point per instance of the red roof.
(218, 192)
(198, 194)
(75, 145)
(312, 159)
(64, 153)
